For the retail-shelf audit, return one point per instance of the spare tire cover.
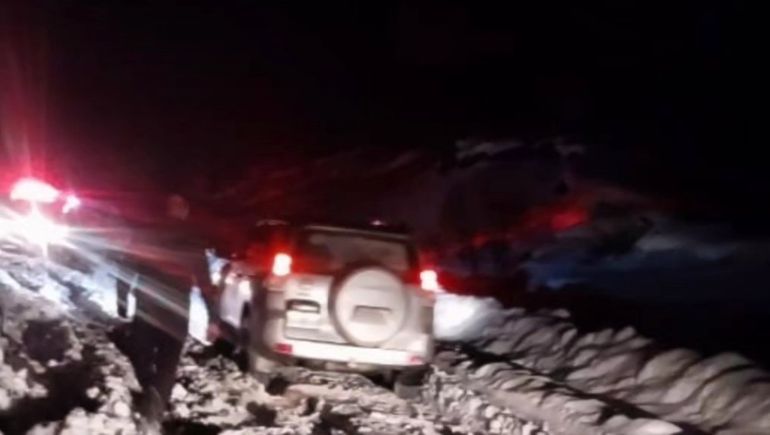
(369, 306)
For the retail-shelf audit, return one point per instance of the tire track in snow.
(211, 390)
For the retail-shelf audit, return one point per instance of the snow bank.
(518, 400)
(449, 391)
(724, 394)
(59, 372)
(514, 398)
(92, 294)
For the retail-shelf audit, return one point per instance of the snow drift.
(59, 372)
(723, 394)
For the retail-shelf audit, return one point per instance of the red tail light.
(281, 264)
(429, 280)
(283, 348)
(415, 360)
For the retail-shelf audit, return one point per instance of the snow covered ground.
(59, 372)
(497, 371)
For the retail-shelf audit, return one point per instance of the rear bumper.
(349, 355)
(419, 353)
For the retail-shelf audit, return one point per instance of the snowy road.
(212, 394)
(503, 372)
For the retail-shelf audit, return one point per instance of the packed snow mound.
(58, 374)
(519, 400)
(724, 394)
(512, 394)
(89, 294)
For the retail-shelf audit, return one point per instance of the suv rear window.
(330, 251)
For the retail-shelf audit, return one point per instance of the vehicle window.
(329, 252)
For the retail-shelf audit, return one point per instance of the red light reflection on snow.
(569, 218)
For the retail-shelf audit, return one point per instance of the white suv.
(343, 297)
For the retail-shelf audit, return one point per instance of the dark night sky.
(655, 89)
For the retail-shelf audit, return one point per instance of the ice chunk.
(463, 317)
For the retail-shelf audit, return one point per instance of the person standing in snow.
(166, 259)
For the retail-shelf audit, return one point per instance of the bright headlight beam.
(35, 228)
(34, 190)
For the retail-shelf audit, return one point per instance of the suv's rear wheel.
(408, 383)
(262, 367)
(243, 335)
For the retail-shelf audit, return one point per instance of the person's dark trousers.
(126, 278)
(157, 361)
(123, 289)
(158, 333)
